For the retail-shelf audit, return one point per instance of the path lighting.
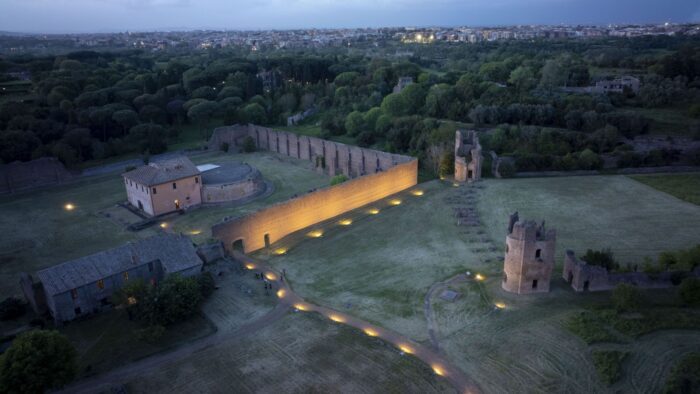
(301, 307)
(163, 225)
(280, 251)
(371, 332)
(395, 202)
(270, 276)
(345, 222)
(195, 232)
(417, 193)
(69, 207)
(479, 277)
(281, 293)
(250, 266)
(455, 184)
(438, 370)
(500, 305)
(373, 211)
(315, 234)
(337, 318)
(406, 349)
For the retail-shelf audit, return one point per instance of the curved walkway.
(437, 362)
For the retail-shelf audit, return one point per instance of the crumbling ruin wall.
(272, 224)
(468, 157)
(329, 157)
(20, 176)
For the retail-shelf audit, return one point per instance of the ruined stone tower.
(529, 258)
(468, 158)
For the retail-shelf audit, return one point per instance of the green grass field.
(380, 268)
(39, 232)
(684, 186)
(673, 121)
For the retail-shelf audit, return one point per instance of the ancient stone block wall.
(19, 176)
(251, 186)
(279, 220)
(529, 258)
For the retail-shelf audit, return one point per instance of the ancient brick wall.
(287, 217)
(19, 176)
(529, 259)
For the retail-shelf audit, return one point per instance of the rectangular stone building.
(85, 285)
(164, 186)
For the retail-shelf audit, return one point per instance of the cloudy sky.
(53, 16)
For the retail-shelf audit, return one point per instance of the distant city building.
(85, 285)
(164, 186)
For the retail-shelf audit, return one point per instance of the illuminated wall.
(393, 174)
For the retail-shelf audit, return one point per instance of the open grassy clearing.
(595, 212)
(674, 121)
(684, 186)
(382, 265)
(300, 353)
(39, 232)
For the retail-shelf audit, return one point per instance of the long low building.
(85, 285)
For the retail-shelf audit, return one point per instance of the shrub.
(11, 308)
(36, 362)
(338, 179)
(447, 164)
(625, 297)
(603, 258)
(248, 144)
(608, 363)
(689, 291)
(685, 376)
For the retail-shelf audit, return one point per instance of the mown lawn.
(684, 186)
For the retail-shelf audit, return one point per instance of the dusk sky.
(76, 16)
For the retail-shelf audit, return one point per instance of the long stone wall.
(375, 175)
(329, 157)
(20, 176)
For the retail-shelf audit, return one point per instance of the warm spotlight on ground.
(455, 184)
(438, 370)
(163, 225)
(195, 232)
(280, 251)
(337, 318)
(270, 276)
(250, 266)
(500, 305)
(345, 222)
(315, 234)
(417, 193)
(69, 207)
(281, 293)
(301, 307)
(373, 211)
(479, 277)
(371, 332)
(395, 202)
(406, 349)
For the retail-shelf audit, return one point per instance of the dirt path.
(428, 307)
(440, 365)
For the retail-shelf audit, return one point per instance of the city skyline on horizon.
(114, 16)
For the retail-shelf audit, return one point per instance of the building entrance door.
(177, 204)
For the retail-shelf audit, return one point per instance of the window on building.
(126, 275)
(534, 284)
(174, 185)
(196, 179)
(538, 254)
(100, 284)
(74, 293)
(154, 190)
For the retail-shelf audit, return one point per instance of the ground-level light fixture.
(345, 222)
(479, 277)
(270, 276)
(455, 184)
(163, 225)
(250, 266)
(301, 307)
(280, 251)
(371, 332)
(395, 202)
(373, 211)
(406, 349)
(69, 207)
(438, 369)
(315, 234)
(417, 193)
(281, 293)
(337, 318)
(500, 305)
(195, 232)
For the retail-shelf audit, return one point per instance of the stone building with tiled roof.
(164, 186)
(86, 285)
